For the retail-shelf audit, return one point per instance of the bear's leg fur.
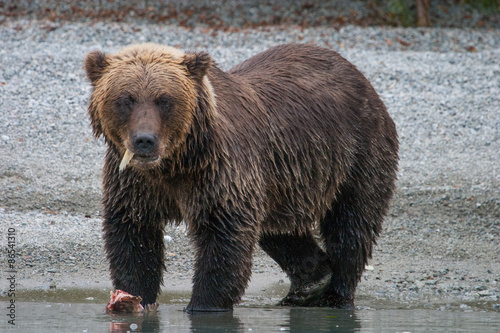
(354, 221)
(305, 263)
(224, 246)
(349, 238)
(136, 257)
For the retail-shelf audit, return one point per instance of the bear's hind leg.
(349, 233)
(305, 263)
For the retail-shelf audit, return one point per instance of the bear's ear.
(197, 64)
(95, 62)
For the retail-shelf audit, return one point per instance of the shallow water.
(54, 312)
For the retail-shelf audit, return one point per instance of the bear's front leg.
(224, 246)
(136, 257)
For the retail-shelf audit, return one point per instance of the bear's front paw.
(151, 307)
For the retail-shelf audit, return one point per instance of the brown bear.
(291, 138)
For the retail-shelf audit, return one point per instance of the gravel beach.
(441, 239)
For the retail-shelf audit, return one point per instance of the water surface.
(76, 311)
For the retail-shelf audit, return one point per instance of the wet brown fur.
(290, 137)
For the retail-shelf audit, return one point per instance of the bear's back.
(303, 83)
(309, 96)
(298, 109)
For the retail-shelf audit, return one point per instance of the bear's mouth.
(145, 161)
(138, 160)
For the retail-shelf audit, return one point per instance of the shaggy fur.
(290, 137)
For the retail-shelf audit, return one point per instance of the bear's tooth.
(126, 159)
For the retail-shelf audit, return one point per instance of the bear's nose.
(145, 143)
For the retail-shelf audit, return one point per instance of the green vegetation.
(484, 5)
(399, 12)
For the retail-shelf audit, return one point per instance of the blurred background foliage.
(254, 13)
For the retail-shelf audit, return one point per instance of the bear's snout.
(145, 143)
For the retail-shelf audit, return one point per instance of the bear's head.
(145, 99)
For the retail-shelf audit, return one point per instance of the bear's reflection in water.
(240, 320)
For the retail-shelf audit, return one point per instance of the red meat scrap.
(122, 301)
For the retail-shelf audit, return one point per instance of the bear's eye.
(124, 104)
(163, 103)
(126, 101)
